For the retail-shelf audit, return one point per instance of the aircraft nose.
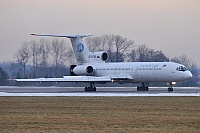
(188, 75)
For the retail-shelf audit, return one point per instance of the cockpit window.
(181, 68)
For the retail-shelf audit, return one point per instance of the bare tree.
(103, 42)
(58, 52)
(43, 56)
(94, 43)
(115, 45)
(183, 59)
(22, 56)
(70, 57)
(35, 52)
(119, 45)
(132, 56)
(142, 53)
(159, 56)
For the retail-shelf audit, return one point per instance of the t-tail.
(81, 51)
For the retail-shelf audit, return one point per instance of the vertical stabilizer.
(81, 51)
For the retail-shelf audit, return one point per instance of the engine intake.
(89, 69)
(104, 56)
(99, 56)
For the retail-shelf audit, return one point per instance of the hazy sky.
(172, 26)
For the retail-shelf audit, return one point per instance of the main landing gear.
(92, 87)
(143, 87)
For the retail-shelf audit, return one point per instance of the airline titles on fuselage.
(142, 67)
(150, 67)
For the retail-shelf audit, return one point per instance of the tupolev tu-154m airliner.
(92, 68)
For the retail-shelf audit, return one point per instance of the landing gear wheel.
(142, 88)
(92, 88)
(138, 88)
(146, 88)
(86, 89)
(170, 89)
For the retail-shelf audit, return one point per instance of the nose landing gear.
(143, 87)
(170, 89)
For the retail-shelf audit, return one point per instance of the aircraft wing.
(69, 79)
(80, 79)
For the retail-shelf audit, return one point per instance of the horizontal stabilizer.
(68, 36)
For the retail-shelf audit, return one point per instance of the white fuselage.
(138, 72)
(91, 67)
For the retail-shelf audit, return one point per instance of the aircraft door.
(136, 71)
(153, 71)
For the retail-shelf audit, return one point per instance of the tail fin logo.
(80, 47)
